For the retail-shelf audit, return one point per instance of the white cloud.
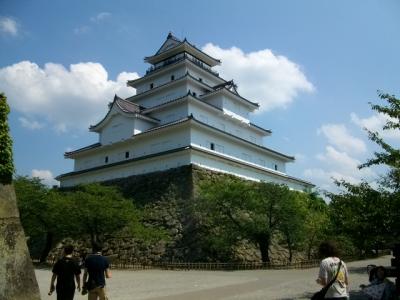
(337, 165)
(338, 135)
(8, 26)
(100, 17)
(46, 176)
(376, 123)
(66, 98)
(30, 124)
(82, 29)
(262, 76)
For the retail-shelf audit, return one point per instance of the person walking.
(332, 268)
(95, 274)
(65, 270)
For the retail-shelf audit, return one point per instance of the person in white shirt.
(327, 271)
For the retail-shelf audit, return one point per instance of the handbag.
(320, 295)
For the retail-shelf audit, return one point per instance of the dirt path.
(199, 285)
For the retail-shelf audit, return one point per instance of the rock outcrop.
(17, 276)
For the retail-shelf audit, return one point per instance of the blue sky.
(312, 65)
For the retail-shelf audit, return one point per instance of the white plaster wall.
(160, 78)
(231, 107)
(169, 161)
(219, 165)
(195, 89)
(235, 107)
(171, 113)
(118, 128)
(226, 124)
(215, 101)
(178, 159)
(165, 95)
(206, 77)
(136, 146)
(142, 125)
(204, 138)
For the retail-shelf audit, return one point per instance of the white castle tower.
(183, 113)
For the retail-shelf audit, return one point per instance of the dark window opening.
(127, 154)
(212, 146)
(276, 167)
(106, 159)
(172, 77)
(201, 79)
(151, 85)
(194, 94)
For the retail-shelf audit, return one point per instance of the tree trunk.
(290, 253)
(263, 242)
(47, 247)
(17, 276)
(310, 245)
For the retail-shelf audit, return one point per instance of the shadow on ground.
(358, 296)
(354, 295)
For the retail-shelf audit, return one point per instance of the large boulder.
(17, 276)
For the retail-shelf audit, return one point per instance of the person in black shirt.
(97, 269)
(65, 270)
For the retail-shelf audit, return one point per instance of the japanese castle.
(183, 114)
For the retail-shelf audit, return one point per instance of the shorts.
(98, 293)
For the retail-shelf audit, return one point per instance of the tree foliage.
(317, 223)
(6, 155)
(368, 216)
(239, 210)
(40, 213)
(389, 156)
(101, 212)
(90, 212)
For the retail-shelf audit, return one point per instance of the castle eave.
(184, 46)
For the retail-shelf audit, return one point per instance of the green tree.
(101, 212)
(360, 213)
(6, 155)
(293, 220)
(389, 156)
(317, 223)
(40, 214)
(367, 215)
(249, 210)
(91, 211)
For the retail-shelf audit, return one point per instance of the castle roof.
(173, 46)
(126, 107)
(166, 67)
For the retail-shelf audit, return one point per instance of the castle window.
(172, 77)
(127, 154)
(194, 94)
(212, 146)
(201, 79)
(106, 159)
(276, 167)
(151, 85)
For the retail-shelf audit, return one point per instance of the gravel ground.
(198, 285)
